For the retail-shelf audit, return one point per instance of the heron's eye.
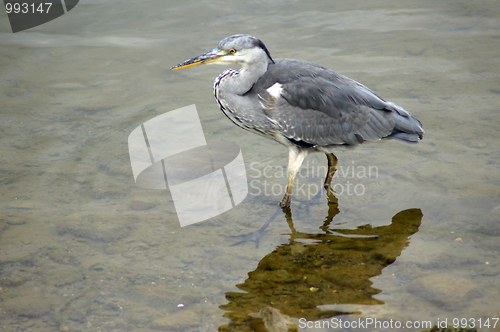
(232, 51)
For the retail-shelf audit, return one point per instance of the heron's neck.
(247, 76)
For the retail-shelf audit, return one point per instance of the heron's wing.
(317, 106)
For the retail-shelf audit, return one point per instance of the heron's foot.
(329, 188)
(285, 202)
(332, 168)
(304, 205)
(253, 236)
(328, 182)
(316, 200)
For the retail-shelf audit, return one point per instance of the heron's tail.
(406, 128)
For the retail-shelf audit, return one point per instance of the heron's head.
(242, 49)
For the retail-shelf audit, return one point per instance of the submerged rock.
(103, 227)
(275, 321)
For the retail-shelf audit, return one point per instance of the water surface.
(82, 248)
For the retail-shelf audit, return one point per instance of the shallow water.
(83, 248)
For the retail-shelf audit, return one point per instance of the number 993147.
(26, 7)
(475, 323)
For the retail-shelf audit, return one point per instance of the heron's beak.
(208, 57)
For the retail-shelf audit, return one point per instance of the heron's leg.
(332, 168)
(295, 158)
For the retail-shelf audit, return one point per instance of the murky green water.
(82, 248)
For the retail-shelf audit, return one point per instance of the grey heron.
(299, 104)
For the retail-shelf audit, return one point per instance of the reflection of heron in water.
(335, 268)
